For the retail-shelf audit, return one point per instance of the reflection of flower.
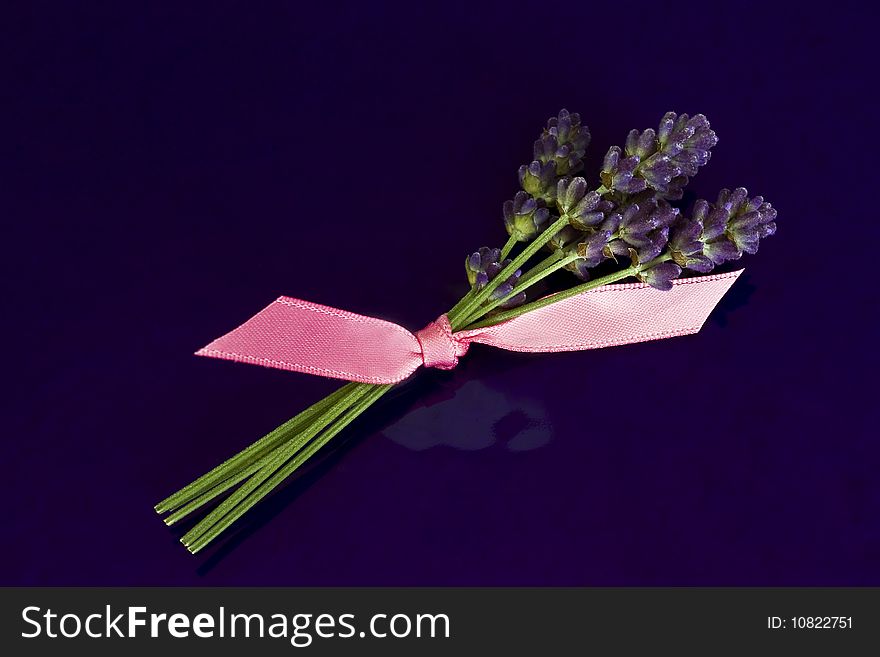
(475, 417)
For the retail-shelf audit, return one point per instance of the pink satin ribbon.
(291, 334)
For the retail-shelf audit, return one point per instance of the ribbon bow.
(291, 334)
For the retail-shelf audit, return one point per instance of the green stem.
(282, 473)
(252, 453)
(565, 294)
(209, 495)
(541, 266)
(508, 271)
(540, 275)
(461, 302)
(274, 461)
(508, 247)
(291, 446)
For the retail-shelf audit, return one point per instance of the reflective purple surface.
(169, 171)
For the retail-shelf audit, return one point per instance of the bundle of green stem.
(627, 215)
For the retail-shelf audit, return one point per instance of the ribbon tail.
(608, 316)
(296, 335)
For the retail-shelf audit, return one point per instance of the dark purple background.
(168, 171)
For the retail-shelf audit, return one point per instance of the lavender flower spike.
(687, 141)
(663, 159)
(722, 232)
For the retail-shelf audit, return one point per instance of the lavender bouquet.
(627, 226)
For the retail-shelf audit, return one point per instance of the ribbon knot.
(440, 347)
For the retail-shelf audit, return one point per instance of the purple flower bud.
(642, 145)
(568, 129)
(661, 276)
(701, 211)
(715, 223)
(581, 206)
(591, 248)
(472, 264)
(563, 238)
(563, 142)
(479, 265)
(616, 249)
(767, 229)
(590, 251)
(645, 226)
(687, 141)
(659, 171)
(720, 250)
(686, 246)
(539, 179)
(700, 263)
(484, 265)
(612, 222)
(675, 188)
(721, 232)
(653, 245)
(618, 173)
(524, 216)
(747, 220)
(507, 286)
(667, 124)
